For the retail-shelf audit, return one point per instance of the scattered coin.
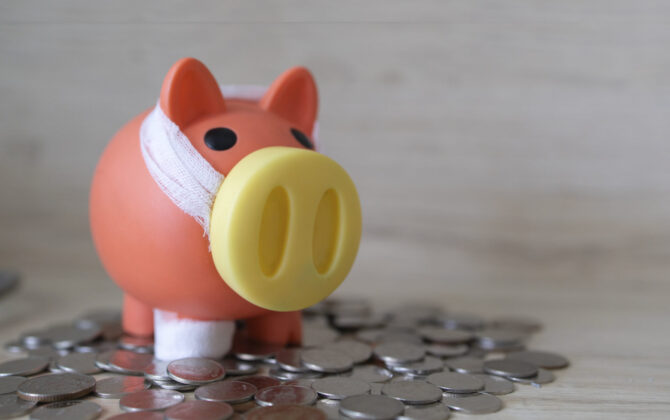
(259, 381)
(83, 363)
(520, 323)
(473, 403)
(139, 415)
(200, 410)
(195, 371)
(359, 352)
(337, 388)
(232, 392)
(150, 400)
(56, 387)
(174, 385)
(443, 336)
(13, 406)
(284, 375)
(424, 367)
(378, 407)
(235, 367)
(412, 392)
(457, 383)
(399, 352)
(118, 386)
(447, 350)
(136, 344)
(126, 362)
(68, 410)
(371, 373)
(23, 367)
(157, 370)
(9, 384)
(325, 360)
(543, 377)
(541, 359)
(290, 359)
(465, 364)
(509, 367)
(286, 394)
(281, 412)
(462, 321)
(436, 411)
(495, 385)
(312, 337)
(500, 339)
(253, 351)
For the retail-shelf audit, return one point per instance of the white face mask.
(179, 170)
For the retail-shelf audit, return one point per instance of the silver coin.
(331, 408)
(56, 387)
(359, 352)
(457, 383)
(127, 362)
(23, 367)
(290, 359)
(412, 392)
(285, 395)
(14, 347)
(284, 375)
(249, 350)
(543, 377)
(235, 367)
(200, 410)
(465, 364)
(399, 352)
(436, 411)
(285, 412)
(495, 385)
(377, 407)
(47, 352)
(259, 381)
(118, 386)
(508, 367)
(462, 321)
(337, 388)
(500, 338)
(95, 347)
(232, 392)
(83, 363)
(541, 359)
(443, 336)
(68, 410)
(355, 322)
(13, 406)
(196, 370)
(325, 360)
(371, 374)
(150, 400)
(157, 370)
(301, 382)
(54, 368)
(312, 337)
(68, 336)
(521, 323)
(445, 350)
(9, 384)
(174, 385)
(137, 344)
(102, 360)
(424, 367)
(140, 415)
(473, 403)
(32, 339)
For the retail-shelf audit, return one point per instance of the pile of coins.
(414, 362)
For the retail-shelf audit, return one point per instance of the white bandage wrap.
(179, 170)
(176, 338)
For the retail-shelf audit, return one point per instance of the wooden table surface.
(511, 158)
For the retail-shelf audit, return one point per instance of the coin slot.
(326, 231)
(273, 231)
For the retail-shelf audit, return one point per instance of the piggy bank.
(213, 208)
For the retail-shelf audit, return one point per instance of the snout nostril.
(326, 231)
(273, 231)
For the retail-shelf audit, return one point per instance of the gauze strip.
(179, 170)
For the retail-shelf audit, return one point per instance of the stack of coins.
(414, 362)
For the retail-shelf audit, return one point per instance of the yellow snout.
(285, 227)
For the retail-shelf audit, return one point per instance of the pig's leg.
(276, 327)
(138, 318)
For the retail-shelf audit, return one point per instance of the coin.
(174, 385)
(424, 367)
(412, 392)
(337, 388)
(290, 359)
(13, 406)
(285, 375)
(457, 383)
(509, 367)
(259, 381)
(446, 350)
(150, 400)
(83, 363)
(543, 377)
(371, 373)
(139, 415)
(195, 370)
(325, 360)
(245, 349)
(200, 410)
(68, 336)
(126, 362)
(312, 337)
(437, 411)
(9, 384)
(443, 336)
(286, 394)
(157, 370)
(495, 385)
(473, 403)
(23, 367)
(541, 359)
(466, 364)
(462, 321)
(118, 386)
(378, 407)
(136, 344)
(493, 338)
(399, 352)
(56, 387)
(68, 410)
(232, 392)
(359, 352)
(282, 412)
(520, 323)
(236, 367)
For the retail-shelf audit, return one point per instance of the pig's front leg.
(276, 327)
(138, 318)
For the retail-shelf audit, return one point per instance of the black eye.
(302, 138)
(220, 138)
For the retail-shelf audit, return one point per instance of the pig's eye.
(302, 138)
(220, 138)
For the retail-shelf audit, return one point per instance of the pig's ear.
(189, 92)
(293, 96)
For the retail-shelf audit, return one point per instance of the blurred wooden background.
(510, 156)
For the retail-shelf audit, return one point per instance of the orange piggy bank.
(213, 207)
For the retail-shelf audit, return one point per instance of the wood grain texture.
(511, 157)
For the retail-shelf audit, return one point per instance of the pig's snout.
(285, 227)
